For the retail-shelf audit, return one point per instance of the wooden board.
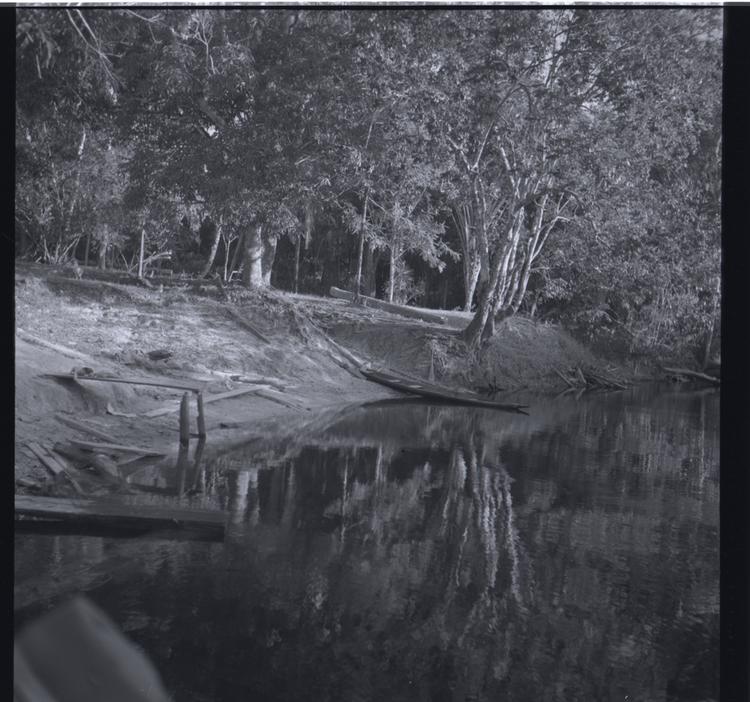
(435, 392)
(116, 514)
(208, 399)
(402, 310)
(193, 385)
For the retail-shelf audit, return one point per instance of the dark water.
(432, 553)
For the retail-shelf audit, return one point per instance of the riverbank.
(232, 339)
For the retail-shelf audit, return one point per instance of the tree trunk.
(103, 254)
(369, 267)
(140, 253)
(214, 248)
(711, 323)
(86, 252)
(252, 272)
(358, 285)
(236, 257)
(471, 278)
(297, 249)
(268, 256)
(392, 276)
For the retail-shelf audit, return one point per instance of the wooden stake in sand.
(201, 416)
(185, 420)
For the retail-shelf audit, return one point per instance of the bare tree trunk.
(392, 276)
(140, 253)
(471, 278)
(252, 273)
(710, 332)
(297, 249)
(238, 250)
(214, 248)
(268, 256)
(103, 254)
(358, 285)
(86, 252)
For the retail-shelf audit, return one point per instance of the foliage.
(573, 153)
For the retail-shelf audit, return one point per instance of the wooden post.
(197, 457)
(185, 420)
(201, 416)
(182, 468)
(140, 258)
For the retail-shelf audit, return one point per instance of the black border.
(735, 415)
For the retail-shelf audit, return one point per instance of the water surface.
(412, 552)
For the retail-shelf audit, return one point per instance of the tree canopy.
(554, 161)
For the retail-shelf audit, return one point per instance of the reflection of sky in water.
(432, 553)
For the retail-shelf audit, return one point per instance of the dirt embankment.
(189, 333)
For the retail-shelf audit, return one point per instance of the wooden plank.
(402, 310)
(48, 461)
(115, 447)
(69, 471)
(207, 399)
(93, 511)
(75, 424)
(192, 385)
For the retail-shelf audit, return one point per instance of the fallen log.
(115, 514)
(567, 380)
(693, 374)
(403, 310)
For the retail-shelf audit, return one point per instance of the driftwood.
(240, 319)
(693, 374)
(74, 424)
(55, 464)
(578, 378)
(114, 514)
(403, 310)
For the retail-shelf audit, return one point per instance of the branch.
(460, 152)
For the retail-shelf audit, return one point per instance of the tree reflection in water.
(427, 553)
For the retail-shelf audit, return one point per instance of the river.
(410, 552)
